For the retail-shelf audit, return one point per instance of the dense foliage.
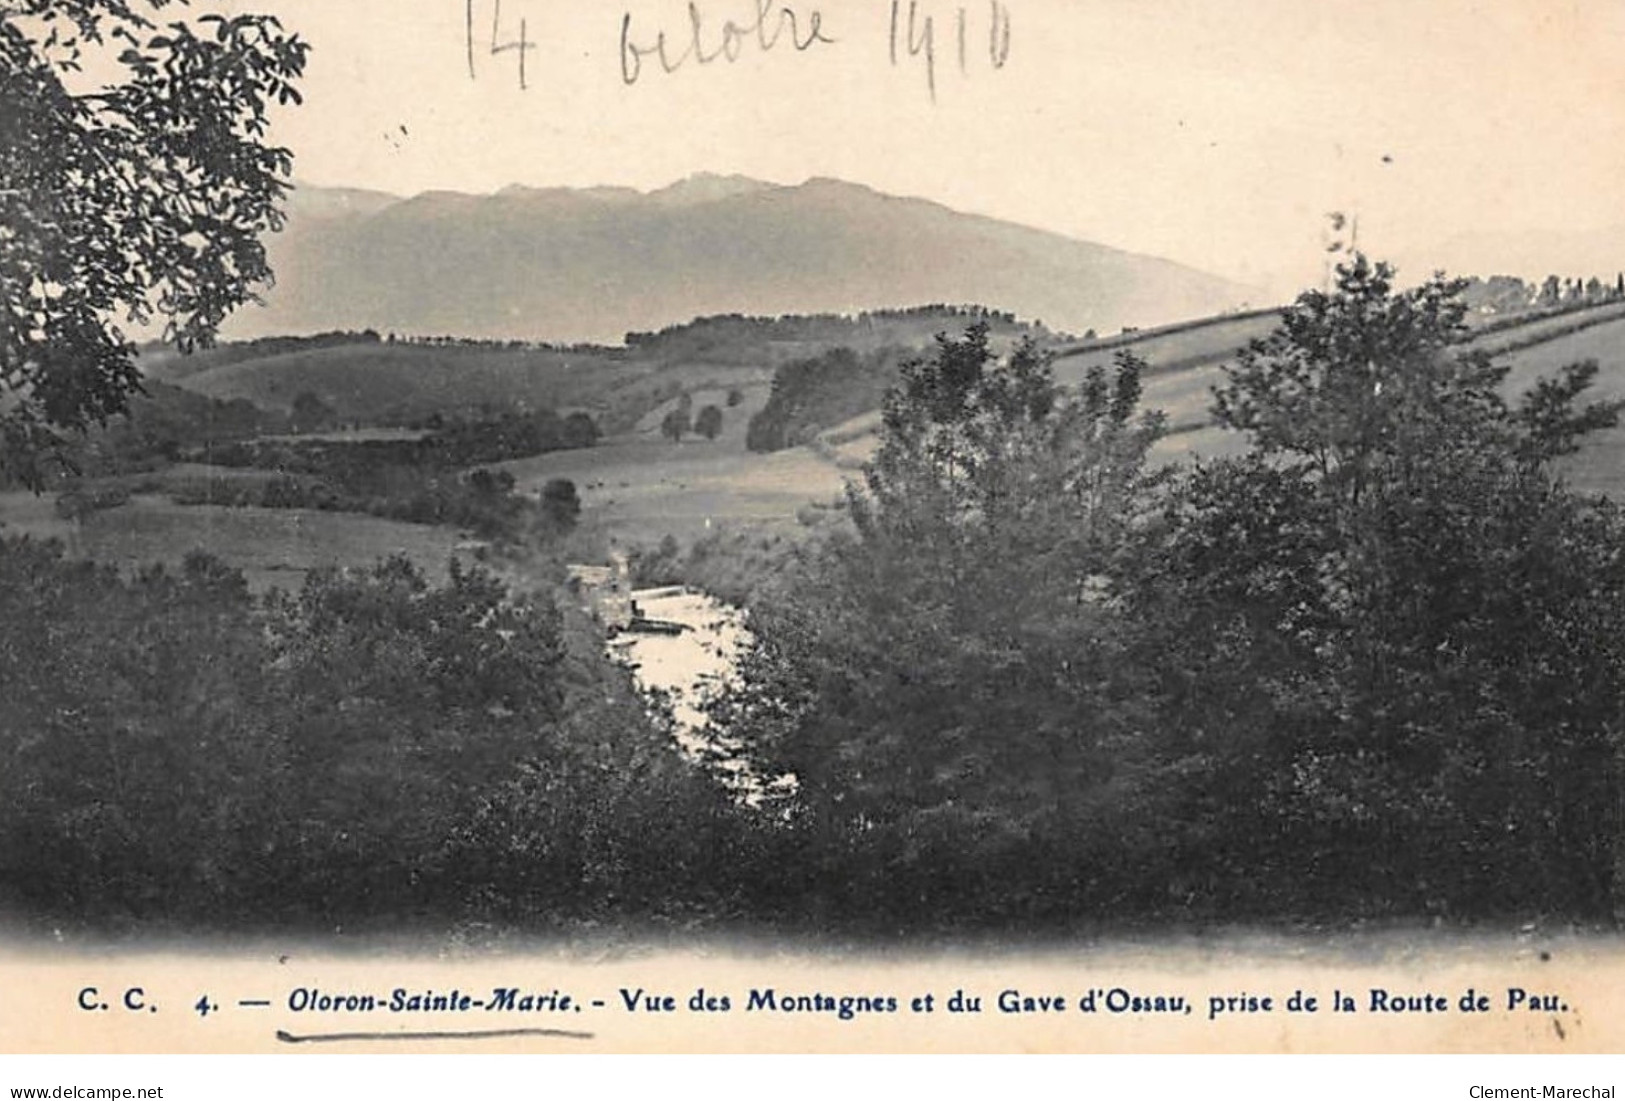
(480, 501)
(422, 480)
(810, 395)
(1374, 666)
(947, 686)
(370, 748)
(1397, 633)
(99, 192)
(732, 563)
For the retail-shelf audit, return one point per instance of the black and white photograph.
(792, 513)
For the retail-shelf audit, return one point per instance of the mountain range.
(592, 264)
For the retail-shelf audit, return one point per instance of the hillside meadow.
(272, 547)
(640, 488)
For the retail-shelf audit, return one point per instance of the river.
(688, 667)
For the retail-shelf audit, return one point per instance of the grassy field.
(1172, 351)
(273, 547)
(1540, 329)
(371, 382)
(753, 394)
(1603, 343)
(639, 486)
(640, 490)
(1600, 466)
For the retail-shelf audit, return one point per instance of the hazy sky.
(1216, 132)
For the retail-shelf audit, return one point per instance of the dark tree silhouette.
(676, 423)
(142, 201)
(560, 503)
(708, 422)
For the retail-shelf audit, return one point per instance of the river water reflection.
(689, 666)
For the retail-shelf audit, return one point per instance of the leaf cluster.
(136, 183)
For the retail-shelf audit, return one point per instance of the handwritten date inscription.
(923, 34)
(522, 45)
(705, 43)
(919, 38)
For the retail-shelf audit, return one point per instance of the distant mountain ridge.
(567, 264)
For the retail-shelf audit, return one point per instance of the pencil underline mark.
(484, 1034)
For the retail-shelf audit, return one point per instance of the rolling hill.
(371, 380)
(569, 265)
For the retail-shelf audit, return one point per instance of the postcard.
(812, 526)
